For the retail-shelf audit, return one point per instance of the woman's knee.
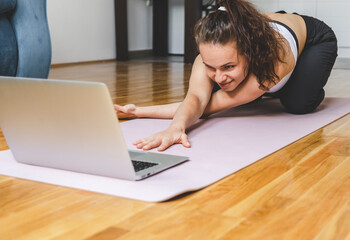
(302, 105)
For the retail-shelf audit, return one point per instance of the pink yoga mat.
(221, 145)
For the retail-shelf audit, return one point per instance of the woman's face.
(223, 64)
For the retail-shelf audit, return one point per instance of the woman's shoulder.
(295, 22)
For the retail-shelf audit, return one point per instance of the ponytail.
(242, 23)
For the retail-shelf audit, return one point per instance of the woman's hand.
(163, 140)
(127, 111)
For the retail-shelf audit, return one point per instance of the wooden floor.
(299, 192)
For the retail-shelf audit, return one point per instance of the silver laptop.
(71, 125)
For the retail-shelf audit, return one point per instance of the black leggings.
(304, 92)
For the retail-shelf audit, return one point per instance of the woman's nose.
(219, 76)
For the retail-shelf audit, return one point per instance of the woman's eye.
(210, 68)
(228, 67)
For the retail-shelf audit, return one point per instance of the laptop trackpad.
(145, 156)
(136, 155)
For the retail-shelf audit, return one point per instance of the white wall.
(81, 30)
(176, 26)
(139, 25)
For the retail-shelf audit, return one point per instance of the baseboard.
(342, 63)
(81, 63)
(140, 53)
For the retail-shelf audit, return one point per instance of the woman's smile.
(226, 84)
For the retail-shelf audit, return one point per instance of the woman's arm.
(193, 107)
(189, 111)
(157, 111)
(219, 101)
(246, 92)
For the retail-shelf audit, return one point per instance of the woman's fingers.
(148, 143)
(162, 140)
(144, 143)
(165, 144)
(126, 108)
(137, 142)
(126, 111)
(129, 108)
(151, 145)
(184, 141)
(118, 108)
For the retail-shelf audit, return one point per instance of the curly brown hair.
(242, 23)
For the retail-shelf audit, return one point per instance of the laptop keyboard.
(139, 165)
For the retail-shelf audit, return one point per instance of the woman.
(244, 55)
